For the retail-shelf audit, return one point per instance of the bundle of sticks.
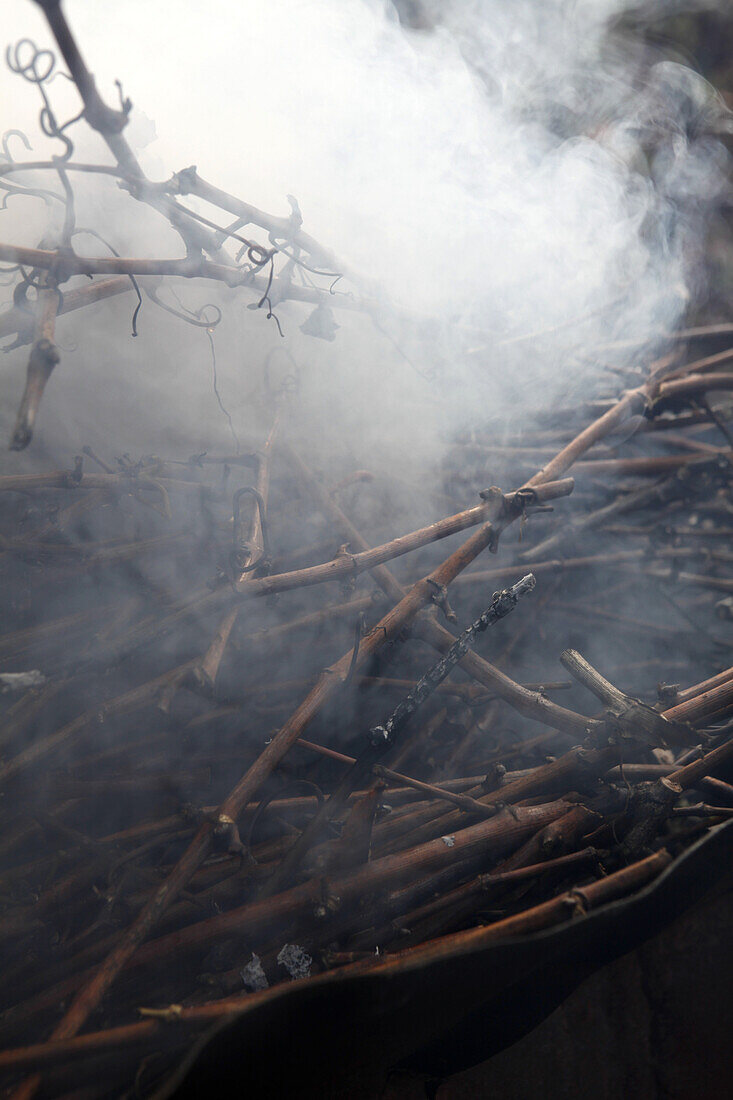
(249, 734)
(175, 843)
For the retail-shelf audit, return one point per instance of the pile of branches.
(177, 846)
(249, 738)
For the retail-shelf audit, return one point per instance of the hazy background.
(508, 169)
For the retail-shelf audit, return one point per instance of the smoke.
(523, 189)
(522, 184)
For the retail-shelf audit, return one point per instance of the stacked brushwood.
(256, 730)
(208, 791)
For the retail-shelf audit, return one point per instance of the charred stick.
(531, 703)
(501, 605)
(382, 738)
(579, 763)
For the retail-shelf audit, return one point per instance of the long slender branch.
(64, 265)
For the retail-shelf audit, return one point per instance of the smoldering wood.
(162, 807)
(399, 836)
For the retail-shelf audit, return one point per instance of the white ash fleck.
(19, 681)
(253, 976)
(449, 841)
(296, 961)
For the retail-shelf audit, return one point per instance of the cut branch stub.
(43, 358)
(627, 718)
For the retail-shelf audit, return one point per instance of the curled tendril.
(11, 273)
(6, 144)
(197, 317)
(58, 73)
(29, 280)
(278, 245)
(37, 66)
(133, 280)
(209, 323)
(51, 129)
(34, 192)
(31, 70)
(215, 384)
(266, 298)
(257, 254)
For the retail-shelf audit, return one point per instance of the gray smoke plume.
(519, 185)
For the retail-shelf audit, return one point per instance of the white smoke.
(515, 169)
